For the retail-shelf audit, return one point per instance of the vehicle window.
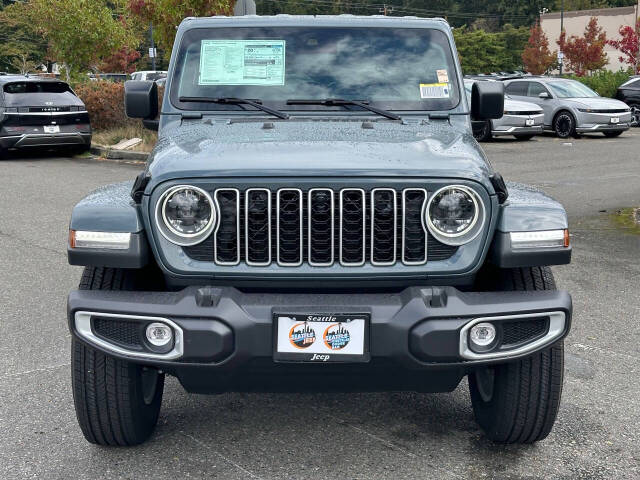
(517, 88)
(156, 76)
(403, 69)
(136, 76)
(571, 89)
(535, 89)
(36, 87)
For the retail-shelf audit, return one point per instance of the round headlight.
(452, 215)
(186, 215)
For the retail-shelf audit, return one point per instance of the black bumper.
(228, 335)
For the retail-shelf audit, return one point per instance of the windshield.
(36, 87)
(571, 89)
(393, 69)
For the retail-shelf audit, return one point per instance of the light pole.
(560, 53)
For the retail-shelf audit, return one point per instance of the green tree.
(22, 49)
(80, 33)
(166, 15)
(484, 52)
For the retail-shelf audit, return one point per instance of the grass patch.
(627, 219)
(114, 135)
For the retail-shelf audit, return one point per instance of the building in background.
(610, 19)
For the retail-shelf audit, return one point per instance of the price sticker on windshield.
(242, 62)
(434, 90)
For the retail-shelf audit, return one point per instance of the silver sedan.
(570, 107)
(523, 120)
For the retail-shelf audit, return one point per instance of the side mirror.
(544, 95)
(141, 99)
(487, 100)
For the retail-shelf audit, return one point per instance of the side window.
(516, 88)
(635, 85)
(536, 88)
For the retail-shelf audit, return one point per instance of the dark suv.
(316, 215)
(41, 112)
(629, 93)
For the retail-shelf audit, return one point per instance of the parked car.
(38, 112)
(523, 120)
(324, 224)
(629, 93)
(153, 75)
(570, 107)
(111, 77)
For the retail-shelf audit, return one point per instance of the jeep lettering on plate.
(317, 209)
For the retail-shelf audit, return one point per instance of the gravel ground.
(368, 436)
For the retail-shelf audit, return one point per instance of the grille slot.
(414, 236)
(258, 227)
(289, 227)
(352, 226)
(321, 227)
(384, 221)
(227, 235)
(516, 332)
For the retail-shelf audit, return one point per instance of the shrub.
(105, 103)
(604, 82)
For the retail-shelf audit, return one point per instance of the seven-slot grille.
(320, 226)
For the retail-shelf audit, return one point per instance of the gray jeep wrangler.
(316, 215)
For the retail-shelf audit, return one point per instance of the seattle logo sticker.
(336, 336)
(302, 335)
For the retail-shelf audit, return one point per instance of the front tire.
(565, 125)
(483, 133)
(518, 402)
(117, 402)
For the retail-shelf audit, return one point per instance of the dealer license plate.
(321, 337)
(52, 129)
(615, 119)
(529, 122)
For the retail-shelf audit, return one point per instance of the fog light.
(482, 334)
(159, 334)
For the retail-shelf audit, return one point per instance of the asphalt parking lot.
(329, 436)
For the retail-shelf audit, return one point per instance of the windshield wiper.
(237, 101)
(339, 102)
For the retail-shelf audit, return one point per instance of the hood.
(597, 103)
(511, 105)
(322, 148)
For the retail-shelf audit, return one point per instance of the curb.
(111, 154)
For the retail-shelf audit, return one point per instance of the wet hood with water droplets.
(323, 148)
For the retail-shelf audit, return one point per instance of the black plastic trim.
(136, 256)
(502, 255)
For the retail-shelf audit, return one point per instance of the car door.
(534, 89)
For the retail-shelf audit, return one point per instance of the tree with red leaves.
(628, 45)
(122, 61)
(536, 57)
(585, 54)
(166, 15)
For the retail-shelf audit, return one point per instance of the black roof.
(16, 77)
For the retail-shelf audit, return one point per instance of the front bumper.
(225, 337)
(602, 127)
(45, 140)
(507, 130)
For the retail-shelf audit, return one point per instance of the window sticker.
(443, 76)
(434, 90)
(242, 62)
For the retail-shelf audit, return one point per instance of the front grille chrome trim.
(395, 227)
(246, 227)
(364, 227)
(424, 226)
(215, 233)
(301, 229)
(309, 236)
